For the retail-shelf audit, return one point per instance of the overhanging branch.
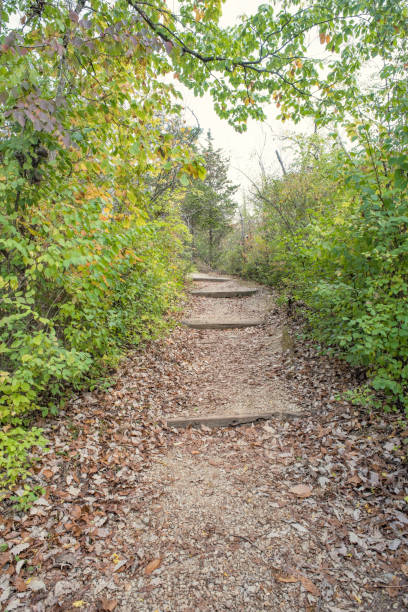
(167, 36)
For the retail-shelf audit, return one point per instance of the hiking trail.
(220, 471)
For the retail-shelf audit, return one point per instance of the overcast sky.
(260, 137)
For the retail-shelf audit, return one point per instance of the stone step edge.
(209, 279)
(220, 324)
(225, 294)
(229, 420)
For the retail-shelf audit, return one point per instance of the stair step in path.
(228, 420)
(207, 278)
(247, 400)
(227, 293)
(195, 324)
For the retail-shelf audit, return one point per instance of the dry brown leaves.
(345, 470)
(301, 490)
(150, 567)
(99, 446)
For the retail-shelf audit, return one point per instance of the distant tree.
(166, 178)
(208, 208)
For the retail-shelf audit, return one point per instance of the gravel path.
(217, 519)
(239, 518)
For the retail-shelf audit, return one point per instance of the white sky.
(261, 138)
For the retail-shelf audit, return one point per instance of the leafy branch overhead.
(270, 52)
(305, 57)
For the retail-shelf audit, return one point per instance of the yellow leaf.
(78, 604)
(198, 14)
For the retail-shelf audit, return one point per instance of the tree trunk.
(281, 162)
(211, 245)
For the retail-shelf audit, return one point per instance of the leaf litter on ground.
(338, 479)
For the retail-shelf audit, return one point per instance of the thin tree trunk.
(211, 245)
(281, 162)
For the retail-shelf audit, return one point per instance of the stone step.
(227, 293)
(229, 420)
(220, 324)
(209, 279)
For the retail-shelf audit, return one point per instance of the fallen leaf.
(4, 558)
(392, 588)
(309, 586)
(76, 511)
(13, 604)
(404, 569)
(16, 550)
(78, 604)
(288, 578)
(119, 565)
(41, 501)
(354, 479)
(301, 490)
(109, 604)
(20, 584)
(150, 567)
(48, 474)
(63, 587)
(115, 558)
(35, 584)
(394, 544)
(214, 462)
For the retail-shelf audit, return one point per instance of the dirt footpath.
(297, 512)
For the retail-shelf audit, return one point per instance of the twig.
(239, 537)
(388, 586)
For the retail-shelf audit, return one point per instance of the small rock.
(62, 587)
(36, 584)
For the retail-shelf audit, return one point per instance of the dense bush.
(332, 234)
(78, 284)
(333, 230)
(91, 259)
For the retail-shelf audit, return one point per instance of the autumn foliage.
(89, 263)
